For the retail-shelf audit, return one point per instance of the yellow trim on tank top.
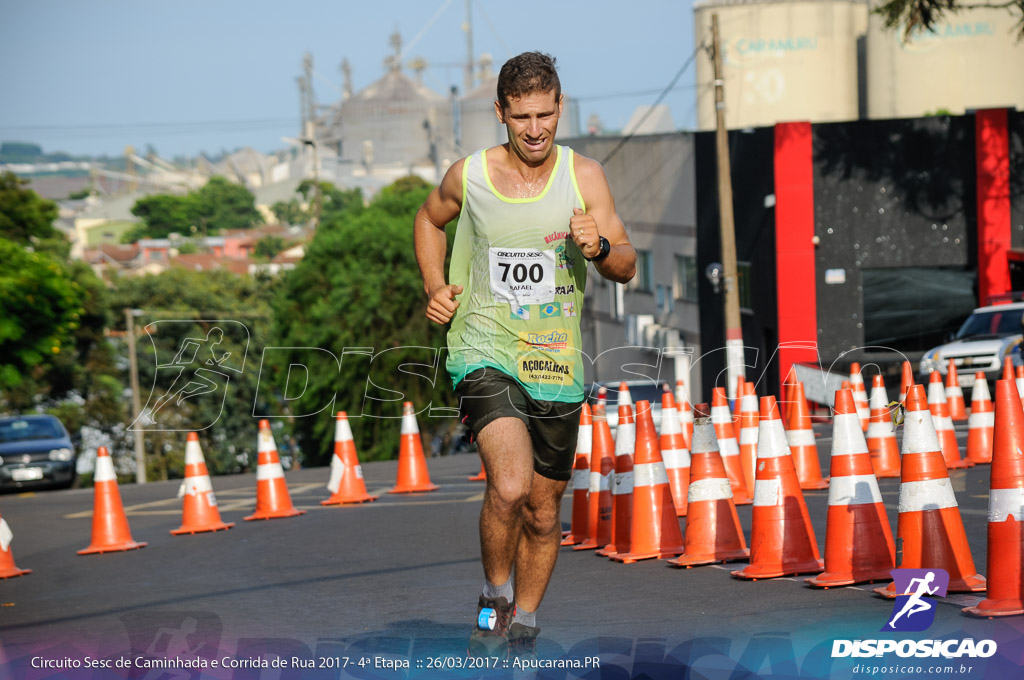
(465, 184)
(532, 199)
(575, 185)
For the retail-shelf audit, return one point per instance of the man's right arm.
(441, 207)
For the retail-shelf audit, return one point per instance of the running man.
(914, 603)
(531, 215)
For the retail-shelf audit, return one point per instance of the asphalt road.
(398, 579)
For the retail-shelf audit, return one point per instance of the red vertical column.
(992, 152)
(794, 246)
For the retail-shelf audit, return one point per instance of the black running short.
(487, 394)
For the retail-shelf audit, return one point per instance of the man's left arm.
(600, 219)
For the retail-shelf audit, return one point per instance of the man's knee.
(507, 494)
(542, 518)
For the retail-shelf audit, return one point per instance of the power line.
(664, 93)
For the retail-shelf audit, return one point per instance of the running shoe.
(490, 637)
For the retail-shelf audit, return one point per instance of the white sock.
(492, 591)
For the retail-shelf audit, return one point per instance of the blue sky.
(191, 76)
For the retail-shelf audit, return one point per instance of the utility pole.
(133, 363)
(733, 329)
(468, 28)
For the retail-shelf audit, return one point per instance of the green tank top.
(523, 280)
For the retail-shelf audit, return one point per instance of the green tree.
(359, 286)
(220, 205)
(40, 308)
(24, 216)
(162, 214)
(290, 212)
(335, 201)
(924, 15)
(269, 246)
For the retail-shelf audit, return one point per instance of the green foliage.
(24, 216)
(269, 246)
(82, 193)
(217, 206)
(221, 205)
(161, 214)
(41, 306)
(187, 248)
(916, 16)
(289, 213)
(335, 201)
(359, 286)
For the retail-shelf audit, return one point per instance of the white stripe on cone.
(269, 471)
(6, 535)
(982, 419)
(193, 453)
(649, 474)
(802, 437)
(854, 490)
(581, 479)
(929, 494)
(104, 471)
(767, 492)
(847, 437)
(1004, 503)
(337, 474)
(709, 490)
(599, 482)
(623, 483)
(675, 458)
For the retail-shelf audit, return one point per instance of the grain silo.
(395, 120)
(783, 61)
(971, 60)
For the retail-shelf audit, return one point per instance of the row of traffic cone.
(859, 542)
(200, 513)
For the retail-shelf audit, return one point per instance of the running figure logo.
(911, 611)
(200, 368)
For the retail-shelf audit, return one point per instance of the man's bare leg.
(539, 541)
(507, 454)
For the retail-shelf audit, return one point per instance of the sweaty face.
(531, 121)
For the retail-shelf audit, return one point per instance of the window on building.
(644, 279)
(743, 284)
(912, 309)
(686, 278)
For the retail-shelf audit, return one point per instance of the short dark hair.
(525, 74)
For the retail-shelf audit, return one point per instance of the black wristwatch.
(606, 248)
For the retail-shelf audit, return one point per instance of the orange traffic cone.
(346, 482)
(787, 393)
(655, 528)
(728, 447)
(685, 413)
(1005, 503)
(930, 526)
(110, 530)
(906, 380)
(413, 475)
(199, 512)
(860, 395)
(674, 453)
(713, 531)
(581, 480)
(599, 498)
(858, 539)
(480, 476)
(622, 486)
(802, 446)
(8, 569)
(885, 452)
(602, 403)
(981, 422)
(1008, 372)
(781, 535)
(955, 395)
(625, 398)
(748, 433)
(1020, 381)
(942, 423)
(272, 498)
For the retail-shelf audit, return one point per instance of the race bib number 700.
(524, 276)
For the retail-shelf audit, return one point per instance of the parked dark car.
(35, 451)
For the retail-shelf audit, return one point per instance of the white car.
(986, 338)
